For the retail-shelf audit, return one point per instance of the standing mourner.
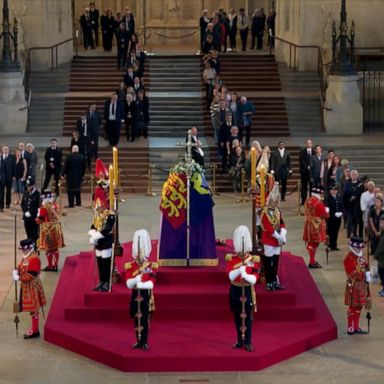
(51, 236)
(379, 255)
(20, 176)
(32, 296)
(356, 289)
(232, 24)
(375, 213)
(305, 155)
(203, 23)
(30, 204)
(141, 278)
(7, 175)
(314, 226)
(107, 22)
(114, 119)
(53, 163)
(94, 14)
(94, 123)
(86, 26)
(281, 167)
(246, 110)
(335, 204)
(34, 159)
(243, 272)
(122, 40)
(73, 171)
(242, 23)
(273, 236)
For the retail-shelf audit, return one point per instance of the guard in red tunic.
(316, 214)
(51, 236)
(140, 278)
(32, 296)
(102, 182)
(273, 236)
(356, 290)
(243, 271)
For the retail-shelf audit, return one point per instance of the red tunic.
(147, 269)
(31, 291)
(315, 224)
(271, 221)
(51, 236)
(356, 289)
(252, 264)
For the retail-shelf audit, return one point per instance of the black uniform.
(31, 203)
(335, 205)
(53, 163)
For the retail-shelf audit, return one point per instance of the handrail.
(322, 68)
(54, 59)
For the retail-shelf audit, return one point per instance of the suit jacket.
(74, 169)
(94, 15)
(119, 110)
(130, 24)
(54, 156)
(94, 123)
(281, 165)
(86, 25)
(317, 166)
(128, 81)
(305, 160)
(142, 110)
(140, 56)
(7, 169)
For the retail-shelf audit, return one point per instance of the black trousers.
(88, 39)
(5, 191)
(355, 224)
(232, 39)
(142, 337)
(113, 132)
(95, 30)
(235, 294)
(72, 196)
(128, 128)
(271, 265)
(247, 129)
(283, 182)
(31, 228)
(104, 268)
(121, 57)
(48, 175)
(333, 227)
(306, 186)
(381, 275)
(107, 41)
(244, 37)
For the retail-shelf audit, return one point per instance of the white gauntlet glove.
(27, 214)
(15, 275)
(368, 276)
(338, 214)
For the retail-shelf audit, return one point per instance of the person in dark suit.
(317, 167)
(129, 22)
(114, 118)
(232, 29)
(281, 167)
(128, 77)
(196, 151)
(73, 172)
(203, 23)
(107, 23)
(335, 204)
(30, 204)
(53, 163)
(140, 57)
(83, 128)
(242, 24)
(257, 29)
(94, 15)
(122, 40)
(79, 141)
(130, 117)
(305, 155)
(141, 114)
(86, 26)
(94, 122)
(25, 155)
(7, 175)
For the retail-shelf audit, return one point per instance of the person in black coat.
(140, 57)
(130, 116)
(122, 40)
(129, 22)
(257, 29)
(224, 133)
(25, 155)
(114, 118)
(73, 171)
(83, 128)
(128, 77)
(53, 163)
(94, 15)
(232, 29)
(94, 122)
(281, 167)
(107, 23)
(30, 205)
(141, 119)
(196, 151)
(305, 155)
(203, 23)
(7, 175)
(86, 26)
(335, 204)
(79, 141)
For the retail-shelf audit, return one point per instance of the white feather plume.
(240, 233)
(145, 243)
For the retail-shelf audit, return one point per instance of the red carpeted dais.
(192, 329)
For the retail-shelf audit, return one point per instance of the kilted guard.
(32, 296)
(140, 278)
(314, 225)
(51, 237)
(243, 271)
(356, 289)
(273, 236)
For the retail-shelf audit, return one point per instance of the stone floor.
(349, 359)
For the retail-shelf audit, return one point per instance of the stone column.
(343, 114)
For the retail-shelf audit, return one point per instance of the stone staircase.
(47, 101)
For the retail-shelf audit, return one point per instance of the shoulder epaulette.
(155, 265)
(128, 266)
(228, 257)
(256, 259)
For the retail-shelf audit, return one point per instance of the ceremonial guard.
(335, 205)
(243, 272)
(101, 236)
(356, 290)
(51, 236)
(30, 204)
(314, 225)
(32, 296)
(273, 236)
(140, 278)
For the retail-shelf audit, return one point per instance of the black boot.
(100, 269)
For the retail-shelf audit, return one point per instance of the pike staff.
(16, 305)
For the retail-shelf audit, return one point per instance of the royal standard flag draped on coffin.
(173, 205)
